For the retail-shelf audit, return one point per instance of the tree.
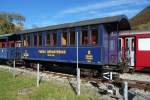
(11, 22)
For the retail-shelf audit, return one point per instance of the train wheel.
(9, 63)
(124, 69)
(131, 70)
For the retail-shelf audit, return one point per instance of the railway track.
(141, 79)
(142, 85)
(145, 85)
(135, 84)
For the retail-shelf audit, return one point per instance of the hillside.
(142, 19)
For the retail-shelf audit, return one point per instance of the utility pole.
(78, 69)
(125, 90)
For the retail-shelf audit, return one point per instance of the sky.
(40, 13)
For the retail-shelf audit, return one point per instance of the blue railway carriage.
(97, 42)
(9, 48)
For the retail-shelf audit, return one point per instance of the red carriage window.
(143, 44)
(0, 44)
(4, 44)
(11, 44)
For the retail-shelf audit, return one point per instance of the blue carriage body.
(7, 52)
(105, 52)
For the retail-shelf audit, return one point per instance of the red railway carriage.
(134, 49)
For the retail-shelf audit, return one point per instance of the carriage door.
(120, 50)
(113, 48)
(130, 50)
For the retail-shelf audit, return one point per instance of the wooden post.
(110, 75)
(125, 91)
(78, 81)
(14, 68)
(38, 74)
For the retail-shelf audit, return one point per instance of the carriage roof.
(121, 19)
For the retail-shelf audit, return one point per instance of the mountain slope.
(142, 19)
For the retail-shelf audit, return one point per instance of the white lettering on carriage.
(52, 52)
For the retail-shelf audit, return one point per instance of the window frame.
(38, 39)
(52, 35)
(120, 44)
(67, 40)
(1, 44)
(33, 35)
(81, 34)
(28, 42)
(89, 28)
(24, 39)
(47, 33)
(141, 44)
(98, 34)
(70, 30)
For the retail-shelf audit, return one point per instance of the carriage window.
(119, 45)
(64, 39)
(35, 39)
(112, 45)
(0, 44)
(84, 36)
(47, 38)
(127, 44)
(133, 43)
(18, 44)
(72, 37)
(40, 39)
(25, 43)
(28, 40)
(4, 44)
(143, 44)
(94, 35)
(54, 39)
(11, 44)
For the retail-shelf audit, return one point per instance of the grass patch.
(10, 86)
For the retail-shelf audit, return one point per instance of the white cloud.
(119, 12)
(98, 14)
(99, 6)
(94, 10)
(102, 5)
